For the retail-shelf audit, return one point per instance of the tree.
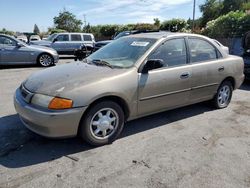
(68, 22)
(52, 30)
(36, 29)
(157, 22)
(6, 32)
(211, 10)
(174, 25)
(232, 5)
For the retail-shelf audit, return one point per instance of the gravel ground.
(194, 146)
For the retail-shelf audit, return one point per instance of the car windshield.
(51, 37)
(123, 52)
(122, 34)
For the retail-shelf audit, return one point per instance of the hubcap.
(45, 60)
(224, 95)
(104, 123)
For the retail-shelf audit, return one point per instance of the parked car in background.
(246, 53)
(22, 38)
(67, 43)
(34, 38)
(133, 76)
(14, 51)
(45, 37)
(100, 44)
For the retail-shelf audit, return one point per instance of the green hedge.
(233, 24)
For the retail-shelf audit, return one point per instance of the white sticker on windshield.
(136, 43)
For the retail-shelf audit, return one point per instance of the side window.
(201, 50)
(7, 41)
(75, 37)
(62, 38)
(173, 53)
(87, 38)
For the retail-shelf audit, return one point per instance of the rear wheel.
(102, 124)
(45, 60)
(223, 95)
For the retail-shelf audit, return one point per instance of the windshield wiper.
(102, 62)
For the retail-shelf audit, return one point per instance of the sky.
(21, 15)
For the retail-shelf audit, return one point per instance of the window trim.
(209, 42)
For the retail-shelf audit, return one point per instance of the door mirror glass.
(152, 64)
(19, 45)
(54, 40)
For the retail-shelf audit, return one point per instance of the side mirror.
(152, 64)
(19, 45)
(54, 40)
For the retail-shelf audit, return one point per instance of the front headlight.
(41, 100)
(54, 103)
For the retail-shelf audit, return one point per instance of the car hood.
(57, 81)
(37, 47)
(104, 42)
(41, 42)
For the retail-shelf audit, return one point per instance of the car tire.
(223, 95)
(45, 60)
(102, 123)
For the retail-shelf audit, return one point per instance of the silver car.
(14, 51)
(129, 78)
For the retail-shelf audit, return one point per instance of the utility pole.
(84, 20)
(193, 16)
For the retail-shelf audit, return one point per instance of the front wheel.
(223, 95)
(45, 60)
(102, 124)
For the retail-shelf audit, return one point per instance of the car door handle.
(185, 75)
(221, 69)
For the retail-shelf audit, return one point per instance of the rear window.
(87, 38)
(201, 50)
(75, 37)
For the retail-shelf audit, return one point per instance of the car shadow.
(19, 147)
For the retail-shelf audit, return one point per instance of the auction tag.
(137, 43)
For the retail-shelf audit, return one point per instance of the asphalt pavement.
(194, 146)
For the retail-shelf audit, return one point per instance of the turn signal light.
(60, 103)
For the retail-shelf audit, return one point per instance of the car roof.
(163, 34)
(75, 33)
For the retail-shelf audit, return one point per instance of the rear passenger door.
(207, 68)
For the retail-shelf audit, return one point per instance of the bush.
(174, 25)
(233, 24)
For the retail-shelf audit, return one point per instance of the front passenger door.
(11, 53)
(60, 43)
(167, 87)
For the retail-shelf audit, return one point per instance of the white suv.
(67, 43)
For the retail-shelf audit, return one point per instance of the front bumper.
(48, 123)
(56, 58)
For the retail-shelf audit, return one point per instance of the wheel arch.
(119, 100)
(230, 79)
(41, 53)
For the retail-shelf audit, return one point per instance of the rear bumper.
(48, 123)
